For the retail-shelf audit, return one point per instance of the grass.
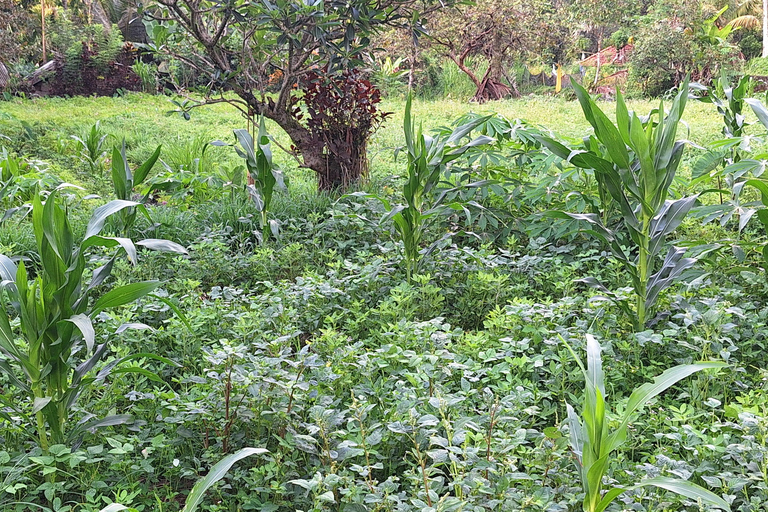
(143, 121)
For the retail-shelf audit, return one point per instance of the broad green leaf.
(622, 117)
(133, 325)
(759, 109)
(672, 268)
(123, 295)
(108, 368)
(108, 421)
(667, 219)
(595, 364)
(605, 130)
(141, 173)
(157, 244)
(216, 473)
(102, 213)
(650, 390)
(7, 268)
(111, 241)
(246, 141)
(707, 163)
(608, 498)
(40, 403)
(687, 489)
(116, 507)
(121, 173)
(83, 323)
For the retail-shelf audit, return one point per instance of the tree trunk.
(338, 163)
(335, 172)
(599, 55)
(42, 29)
(491, 87)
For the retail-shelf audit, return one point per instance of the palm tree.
(751, 16)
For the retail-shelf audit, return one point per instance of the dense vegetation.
(410, 346)
(339, 296)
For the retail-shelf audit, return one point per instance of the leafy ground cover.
(377, 384)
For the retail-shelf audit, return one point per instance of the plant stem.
(644, 264)
(264, 230)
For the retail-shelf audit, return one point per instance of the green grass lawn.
(144, 122)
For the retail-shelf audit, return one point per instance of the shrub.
(341, 113)
(758, 66)
(750, 44)
(18, 39)
(665, 53)
(93, 60)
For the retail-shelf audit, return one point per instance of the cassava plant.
(594, 442)
(47, 336)
(718, 161)
(427, 164)
(750, 172)
(636, 164)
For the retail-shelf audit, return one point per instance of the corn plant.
(125, 180)
(594, 442)
(91, 148)
(636, 164)
(47, 337)
(427, 163)
(264, 174)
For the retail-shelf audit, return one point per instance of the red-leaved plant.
(341, 110)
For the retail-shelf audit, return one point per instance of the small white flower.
(175, 463)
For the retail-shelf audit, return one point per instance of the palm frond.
(749, 7)
(747, 22)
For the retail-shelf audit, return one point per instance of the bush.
(18, 39)
(749, 42)
(92, 60)
(758, 66)
(665, 53)
(341, 113)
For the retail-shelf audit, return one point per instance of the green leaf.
(650, 390)
(116, 507)
(102, 213)
(687, 489)
(595, 364)
(121, 173)
(216, 473)
(40, 403)
(705, 164)
(123, 295)
(7, 268)
(161, 245)
(246, 141)
(605, 130)
(141, 173)
(608, 498)
(108, 421)
(759, 110)
(83, 323)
